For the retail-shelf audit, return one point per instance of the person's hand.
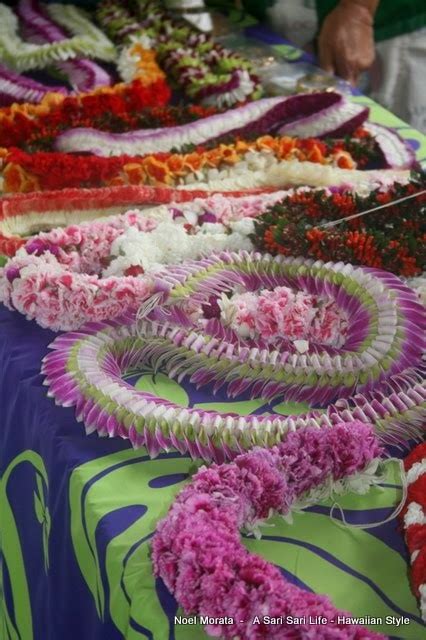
(346, 40)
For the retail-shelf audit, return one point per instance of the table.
(77, 512)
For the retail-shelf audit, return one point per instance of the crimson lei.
(393, 238)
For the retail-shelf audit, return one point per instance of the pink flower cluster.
(197, 549)
(283, 313)
(56, 278)
(84, 248)
(226, 209)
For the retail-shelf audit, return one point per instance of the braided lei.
(15, 87)
(264, 163)
(392, 238)
(327, 115)
(26, 214)
(253, 119)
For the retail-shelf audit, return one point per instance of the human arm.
(346, 39)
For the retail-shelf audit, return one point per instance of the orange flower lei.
(167, 168)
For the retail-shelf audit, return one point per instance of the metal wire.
(333, 223)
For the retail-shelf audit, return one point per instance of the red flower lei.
(392, 239)
(112, 112)
(414, 521)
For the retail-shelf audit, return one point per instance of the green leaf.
(163, 387)
(46, 549)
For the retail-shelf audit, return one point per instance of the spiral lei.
(377, 376)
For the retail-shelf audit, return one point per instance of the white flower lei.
(170, 242)
(262, 169)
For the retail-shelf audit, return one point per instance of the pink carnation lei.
(197, 549)
(57, 278)
(282, 312)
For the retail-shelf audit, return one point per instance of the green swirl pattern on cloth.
(360, 572)
(18, 624)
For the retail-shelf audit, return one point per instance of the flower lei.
(197, 550)
(61, 278)
(23, 215)
(393, 238)
(62, 288)
(268, 315)
(83, 75)
(226, 163)
(414, 521)
(25, 56)
(173, 241)
(35, 127)
(259, 171)
(115, 112)
(204, 70)
(372, 350)
(383, 370)
(253, 119)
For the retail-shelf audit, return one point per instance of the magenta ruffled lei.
(197, 549)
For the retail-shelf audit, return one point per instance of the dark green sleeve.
(393, 17)
(257, 8)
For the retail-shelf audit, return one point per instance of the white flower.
(414, 473)
(212, 228)
(301, 345)
(245, 226)
(414, 515)
(169, 243)
(227, 309)
(419, 285)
